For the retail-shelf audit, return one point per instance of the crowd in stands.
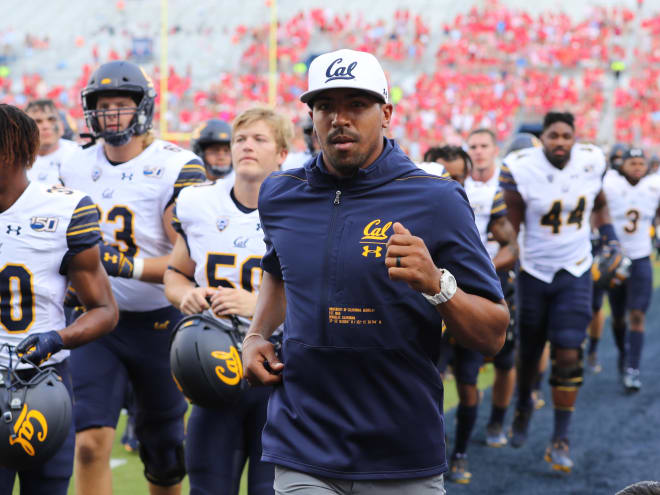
(493, 66)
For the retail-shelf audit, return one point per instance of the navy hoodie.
(360, 396)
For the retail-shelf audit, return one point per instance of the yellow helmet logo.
(24, 429)
(232, 373)
(106, 80)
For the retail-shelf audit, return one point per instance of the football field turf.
(615, 437)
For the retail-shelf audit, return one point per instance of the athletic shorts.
(137, 350)
(636, 291)
(559, 311)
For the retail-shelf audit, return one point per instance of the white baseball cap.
(346, 69)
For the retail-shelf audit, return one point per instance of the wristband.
(138, 267)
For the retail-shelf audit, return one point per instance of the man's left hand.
(226, 301)
(408, 260)
(39, 347)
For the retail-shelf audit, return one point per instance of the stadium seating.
(450, 69)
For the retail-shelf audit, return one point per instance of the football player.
(216, 265)
(50, 236)
(211, 141)
(487, 202)
(134, 180)
(554, 190)
(654, 164)
(634, 199)
(616, 155)
(53, 149)
(595, 329)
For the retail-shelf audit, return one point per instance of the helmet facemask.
(98, 119)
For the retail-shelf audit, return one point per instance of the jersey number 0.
(16, 298)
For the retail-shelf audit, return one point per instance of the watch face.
(451, 282)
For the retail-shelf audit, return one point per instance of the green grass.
(129, 480)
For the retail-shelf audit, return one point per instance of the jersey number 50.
(215, 261)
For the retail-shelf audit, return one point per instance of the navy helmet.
(205, 360)
(212, 131)
(119, 78)
(615, 159)
(36, 416)
(523, 140)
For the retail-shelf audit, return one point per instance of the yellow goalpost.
(165, 133)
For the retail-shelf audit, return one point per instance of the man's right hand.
(196, 300)
(261, 365)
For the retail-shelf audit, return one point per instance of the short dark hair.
(483, 130)
(448, 154)
(552, 117)
(641, 488)
(42, 104)
(19, 137)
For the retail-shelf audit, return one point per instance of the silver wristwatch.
(447, 289)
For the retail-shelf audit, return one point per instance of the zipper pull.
(337, 195)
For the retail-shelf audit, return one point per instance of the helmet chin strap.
(117, 139)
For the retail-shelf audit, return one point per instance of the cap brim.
(308, 96)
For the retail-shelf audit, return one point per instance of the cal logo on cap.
(106, 80)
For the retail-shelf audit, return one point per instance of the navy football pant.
(219, 441)
(136, 351)
(53, 476)
(559, 312)
(636, 291)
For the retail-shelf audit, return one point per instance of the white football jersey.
(225, 243)
(433, 168)
(132, 198)
(40, 232)
(487, 202)
(632, 209)
(46, 168)
(558, 205)
(295, 160)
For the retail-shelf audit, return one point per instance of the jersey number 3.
(126, 233)
(553, 217)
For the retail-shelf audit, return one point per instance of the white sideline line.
(114, 463)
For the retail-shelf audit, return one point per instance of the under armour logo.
(16, 229)
(340, 72)
(127, 176)
(110, 257)
(366, 251)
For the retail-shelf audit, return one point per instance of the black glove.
(116, 263)
(39, 347)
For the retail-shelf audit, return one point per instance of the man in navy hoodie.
(366, 256)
